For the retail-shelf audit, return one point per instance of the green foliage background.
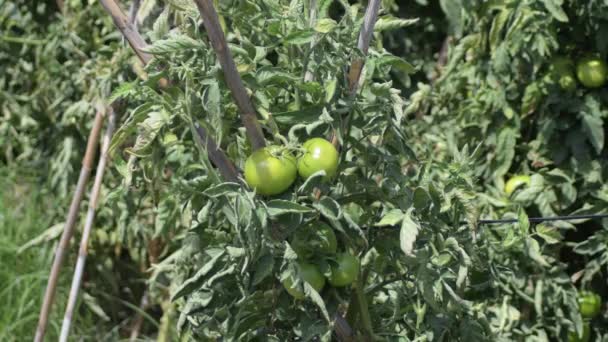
(429, 150)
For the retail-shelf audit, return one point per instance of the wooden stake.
(68, 229)
(365, 37)
(88, 226)
(231, 75)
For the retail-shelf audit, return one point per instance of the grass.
(24, 215)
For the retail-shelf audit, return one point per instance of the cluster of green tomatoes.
(590, 305)
(317, 241)
(591, 72)
(271, 170)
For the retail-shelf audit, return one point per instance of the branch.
(128, 30)
(68, 229)
(217, 156)
(231, 75)
(88, 226)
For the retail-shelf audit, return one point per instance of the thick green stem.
(366, 320)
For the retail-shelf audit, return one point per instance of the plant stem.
(364, 309)
(21, 40)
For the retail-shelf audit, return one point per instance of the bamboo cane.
(86, 232)
(68, 229)
(231, 75)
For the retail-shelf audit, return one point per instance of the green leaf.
(199, 277)
(173, 44)
(555, 8)
(222, 189)
(524, 222)
(329, 208)
(408, 234)
(594, 129)
(497, 27)
(505, 151)
(391, 218)
(398, 63)
(533, 251)
(548, 233)
(303, 116)
(299, 37)
(317, 299)
(330, 89)
(422, 199)
(325, 25)
(263, 268)
(391, 23)
(280, 207)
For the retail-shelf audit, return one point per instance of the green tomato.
(516, 182)
(573, 337)
(345, 271)
(589, 304)
(320, 155)
(270, 170)
(562, 70)
(315, 237)
(308, 273)
(591, 72)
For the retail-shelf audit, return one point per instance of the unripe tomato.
(562, 71)
(320, 155)
(345, 271)
(589, 304)
(516, 182)
(573, 337)
(310, 274)
(591, 72)
(270, 170)
(315, 237)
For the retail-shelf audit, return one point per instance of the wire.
(530, 219)
(544, 219)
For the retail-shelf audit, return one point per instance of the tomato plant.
(319, 155)
(270, 170)
(454, 97)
